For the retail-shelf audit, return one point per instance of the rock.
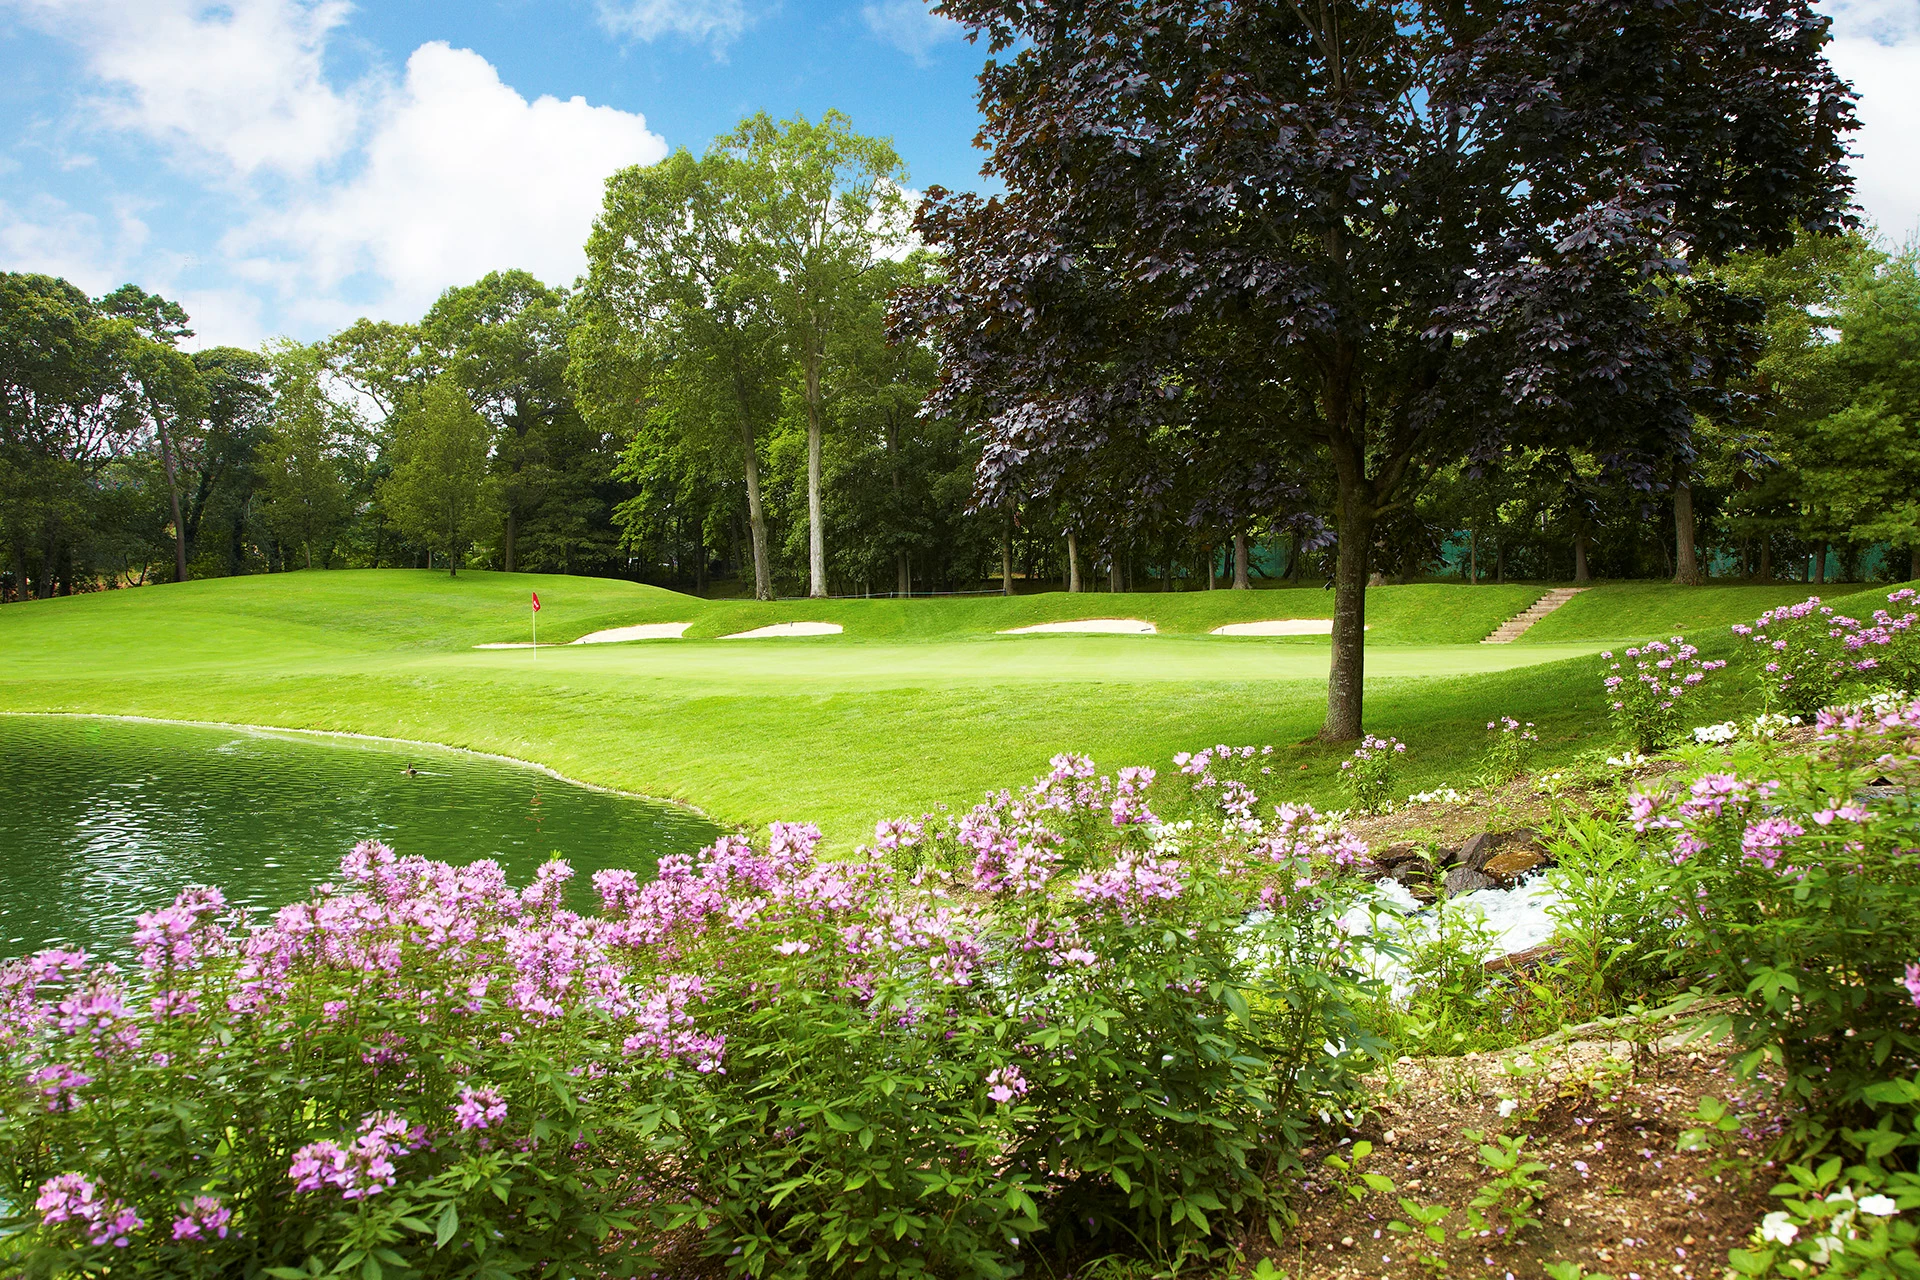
(1509, 865)
(1474, 853)
(1527, 959)
(1466, 880)
(1883, 794)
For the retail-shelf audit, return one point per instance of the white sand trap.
(643, 631)
(1279, 627)
(1103, 626)
(788, 629)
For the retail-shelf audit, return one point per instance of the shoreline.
(495, 756)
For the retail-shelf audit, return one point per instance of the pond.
(103, 819)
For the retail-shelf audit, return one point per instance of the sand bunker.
(1279, 627)
(788, 629)
(1104, 626)
(643, 631)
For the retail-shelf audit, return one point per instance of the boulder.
(1466, 880)
(1474, 853)
(1509, 865)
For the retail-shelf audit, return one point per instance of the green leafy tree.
(303, 457)
(440, 493)
(672, 347)
(823, 206)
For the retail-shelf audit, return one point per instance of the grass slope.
(918, 703)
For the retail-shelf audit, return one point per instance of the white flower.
(1717, 733)
(1879, 1206)
(1507, 1107)
(1778, 1226)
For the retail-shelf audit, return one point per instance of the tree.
(302, 457)
(440, 493)
(1402, 233)
(668, 325)
(169, 388)
(505, 339)
(68, 413)
(822, 206)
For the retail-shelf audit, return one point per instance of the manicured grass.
(918, 703)
(1617, 612)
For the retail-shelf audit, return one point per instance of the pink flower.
(1005, 1084)
(205, 1219)
(479, 1108)
(1913, 983)
(69, 1197)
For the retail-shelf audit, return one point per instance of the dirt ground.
(1605, 1116)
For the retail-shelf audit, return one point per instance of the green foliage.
(1799, 899)
(1610, 910)
(440, 493)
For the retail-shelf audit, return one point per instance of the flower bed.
(1050, 1022)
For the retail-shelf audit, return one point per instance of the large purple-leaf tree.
(1384, 236)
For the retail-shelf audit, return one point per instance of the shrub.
(1807, 655)
(1061, 1023)
(1510, 750)
(1799, 897)
(1646, 702)
(1371, 773)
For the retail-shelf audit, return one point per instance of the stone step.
(1516, 626)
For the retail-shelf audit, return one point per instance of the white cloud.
(242, 84)
(714, 22)
(53, 238)
(1887, 167)
(1884, 21)
(342, 199)
(910, 26)
(461, 176)
(1876, 46)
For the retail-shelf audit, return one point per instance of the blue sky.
(282, 166)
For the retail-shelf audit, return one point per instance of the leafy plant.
(1372, 773)
(1510, 749)
(1646, 698)
(1427, 1232)
(1347, 1173)
(1062, 1029)
(1806, 655)
(1516, 1186)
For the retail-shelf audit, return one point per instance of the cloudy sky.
(283, 166)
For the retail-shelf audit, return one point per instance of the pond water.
(103, 819)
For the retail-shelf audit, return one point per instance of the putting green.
(917, 703)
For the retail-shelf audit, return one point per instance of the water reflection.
(103, 819)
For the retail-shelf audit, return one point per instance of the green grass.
(917, 703)
(1622, 612)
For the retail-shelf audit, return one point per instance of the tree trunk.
(1211, 561)
(1580, 573)
(756, 516)
(1500, 561)
(1686, 561)
(1820, 565)
(816, 530)
(1766, 559)
(173, 499)
(1346, 677)
(506, 542)
(1073, 562)
(1006, 557)
(1240, 580)
(1116, 575)
(1473, 557)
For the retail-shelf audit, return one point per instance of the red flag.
(536, 602)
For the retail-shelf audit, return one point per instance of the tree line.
(1185, 347)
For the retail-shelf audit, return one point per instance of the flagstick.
(535, 614)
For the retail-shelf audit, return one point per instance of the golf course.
(913, 704)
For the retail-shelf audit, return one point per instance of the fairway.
(915, 704)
